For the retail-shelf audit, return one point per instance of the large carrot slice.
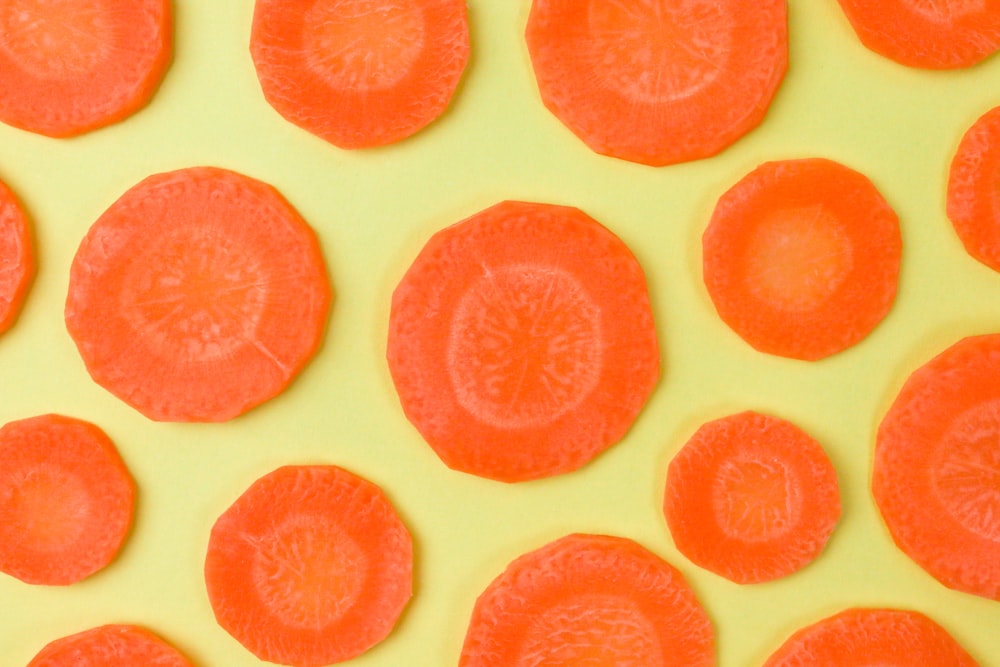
(110, 646)
(973, 196)
(66, 500)
(17, 260)
(198, 295)
(589, 600)
(801, 258)
(521, 341)
(658, 81)
(360, 73)
(751, 497)
(936, 476)
(70, 67)
(310, 566)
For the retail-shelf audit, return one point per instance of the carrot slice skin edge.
(973, 203)
(117, 645)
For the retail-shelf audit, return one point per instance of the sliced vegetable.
(973, 195)
(110, 646)
(17, 259)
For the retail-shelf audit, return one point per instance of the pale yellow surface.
(374, 209)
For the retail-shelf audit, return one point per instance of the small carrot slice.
(310, 566)
(110, 646)
(66, 500)
(863, 637)
(70, 67)
(929, 34)
(521, 341)
(973, 197)
(589, 599)
(17, 259)
(936, 475)
(751, 497)
(801, 258)
(360, 73)
(197, 295)
(658, 81)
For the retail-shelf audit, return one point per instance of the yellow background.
(374, 209)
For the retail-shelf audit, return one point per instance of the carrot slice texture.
(929, 34)
(66, 500)
(973, 196)
(197, 295)
(864, 637)
(751, 497)
(521, 341)
(360, 73)
(17, 259)
(70, 67)
(589, 600)
(110, 646)
(310, 566)
(801, 258)
(658, 81)
(936, 476)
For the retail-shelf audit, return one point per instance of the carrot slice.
(310, 566)
(973, 197)
(862, 637)
(360, 73)
(66, 500)
(70, 67)
(751, 497)
(658, 81)
(198, 295)
(17, 260)
(801, 258)
(521, 341)
(936, 476)
(110, 646)
(929, 34)
(589, 599)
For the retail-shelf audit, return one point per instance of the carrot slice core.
(17, 259)
(974, 190)
(110, 646)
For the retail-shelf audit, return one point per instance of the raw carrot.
(521, 341)
(310, 566)
(589, 600)
(66, 500)
(198, 295)
(658, 81)
(936, 476)
(17, 259)
(973, 198)
(360, 73)
(751, 497)
(110, 646)
(801, 258)
(70, 67)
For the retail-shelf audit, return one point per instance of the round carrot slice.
(589, 599)
(110, 646)
(973, 196)
(198, 295)
(66, 500)
(863, 637)
(17, 260)
(70, 67)
(936, 475)
(751, 497)
(310, 566)
(360, 73)
(521, 341)
(658, 81)
(801, 258)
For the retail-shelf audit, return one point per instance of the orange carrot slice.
(66, 500)
(929, 34)
(70, 67)
(521, 341)
(973, 198)
(17, 260)
(110, 646)
(589, 600)
(936, 476)
(198, 295)
(863, 637)
(658, 81)
(801, 258)
(360, 73)
(310, 566)
(751, 497)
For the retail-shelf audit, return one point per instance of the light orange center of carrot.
(55, 39)
(755, 500)
(47, 508)
(946, 11)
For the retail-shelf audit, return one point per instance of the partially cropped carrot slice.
(70, 67)
(864, 637)
(751, 497)
(521, 341)
(801, 258)
(973, 195)
(310, 566)
(110, 646)
(589, 600)
(936, 476)
(198, 295)
(66, 500)
(658, 81)
(360, 73)
(17, 259)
